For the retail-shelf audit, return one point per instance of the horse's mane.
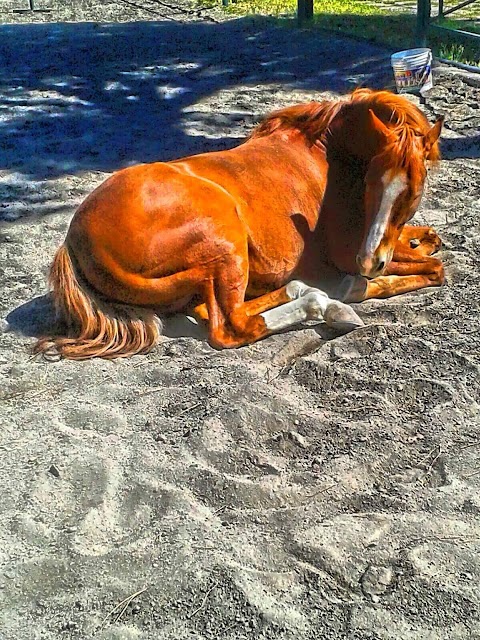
(313, 119)
(403, 117)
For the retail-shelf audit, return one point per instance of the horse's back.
(164, 218)
(271, 178)
(143, 200)
(266, 180)
(278, 187)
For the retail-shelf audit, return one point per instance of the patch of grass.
(378, 22)
(455, 52)
(394, 29)
(453, 46)
(284, 7)
(465, 25)
(452, 51)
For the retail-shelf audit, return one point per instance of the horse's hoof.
(342, 318)
(352, 289)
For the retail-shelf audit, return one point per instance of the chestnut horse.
(325, 182)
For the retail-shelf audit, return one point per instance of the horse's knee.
(437, 277)
(430, 242)
(431, 237)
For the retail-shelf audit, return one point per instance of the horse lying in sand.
(241, 235)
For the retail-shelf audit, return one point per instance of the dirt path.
(305, 487)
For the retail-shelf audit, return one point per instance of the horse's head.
(393, 186)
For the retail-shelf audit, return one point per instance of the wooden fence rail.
(425, 22)
(442, 12)
(424, 19)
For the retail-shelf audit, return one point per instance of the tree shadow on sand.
(463, 147)
(99, 97)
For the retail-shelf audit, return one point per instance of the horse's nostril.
(381, 265)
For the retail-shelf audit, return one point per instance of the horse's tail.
(95, 327)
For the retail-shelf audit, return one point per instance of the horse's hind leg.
(234, 322)
(293, 290)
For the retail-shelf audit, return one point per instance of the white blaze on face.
(392, 188)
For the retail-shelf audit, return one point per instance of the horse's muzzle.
(371, 266)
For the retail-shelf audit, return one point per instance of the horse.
(240, 236)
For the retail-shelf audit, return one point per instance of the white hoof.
(342, 318)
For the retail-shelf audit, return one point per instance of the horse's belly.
(269, 270)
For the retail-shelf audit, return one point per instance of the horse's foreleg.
(422, 241)
(400, 277)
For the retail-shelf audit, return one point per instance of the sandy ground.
(309, 486)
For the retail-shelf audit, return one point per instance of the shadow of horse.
(36, 318)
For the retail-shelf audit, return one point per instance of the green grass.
(385, 22)
(465, 25)
(283, 7)
(454, 52)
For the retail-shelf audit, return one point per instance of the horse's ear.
(433, 134)
(379, 126)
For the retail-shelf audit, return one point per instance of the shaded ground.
(305, 487)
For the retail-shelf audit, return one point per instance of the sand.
(308, 486)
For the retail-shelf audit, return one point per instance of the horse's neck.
(301, 167)
(342, 217)
(351, 134)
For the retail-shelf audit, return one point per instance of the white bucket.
(413, 70)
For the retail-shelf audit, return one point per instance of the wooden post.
(424, 8)
(304, 11)
(31, 7)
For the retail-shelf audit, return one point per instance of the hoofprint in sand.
(308, 486)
